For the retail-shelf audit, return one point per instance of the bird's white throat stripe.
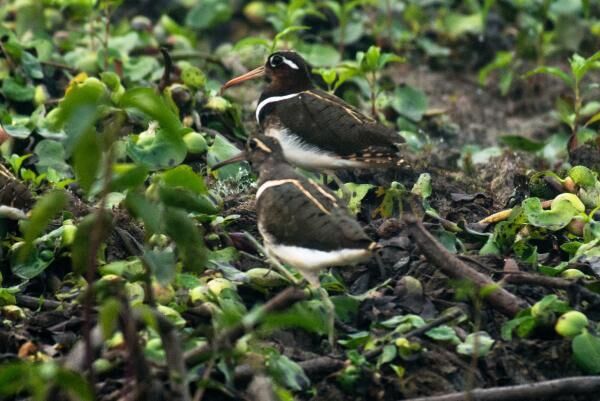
(291, 63)
(297, 184)
(272, 99)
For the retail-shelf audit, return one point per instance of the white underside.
(313, 260)
(305, 155)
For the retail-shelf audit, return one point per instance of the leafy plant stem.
(96, 236)
(105, 40)
(470, 382)
(372, 85)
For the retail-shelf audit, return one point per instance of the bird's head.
(286, 72)
(259, 149)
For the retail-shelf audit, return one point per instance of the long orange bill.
(255, 73)
(240, 157)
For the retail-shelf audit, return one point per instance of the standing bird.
(316, 130)
(302, 223)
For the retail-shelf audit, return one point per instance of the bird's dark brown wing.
(297, 212)
(331, 124)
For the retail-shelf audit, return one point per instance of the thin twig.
(545, 390)
(552, 282)
(281, 301)
(502, 300)
(420, 330)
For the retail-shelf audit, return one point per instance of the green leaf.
(409, 102)
(51, 155)
(91, 229)
(150, 213)
(581, 66)
(357, 194)
(583, 176)
(563, 209)
(32, 265)
(86, 159)
(478, 344)
(586, 351)
(184, 177)
(163, 151)
(32, 66)
(443, 333)
(319, 55)
(220, 150)
(45, 209)
(502, 60)
(162, 264)
(17, 91)
(149, 103)
(15, 377)
(127, 176)
(554, 71)
(518, 142)
(346, 307)
(388, 354)
(286, 372)
(79, 109)
(108, 317)
(190, 244)
(208, 13)
(423, 186)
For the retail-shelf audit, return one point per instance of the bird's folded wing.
(297, 213)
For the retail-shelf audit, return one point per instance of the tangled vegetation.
(129, 269)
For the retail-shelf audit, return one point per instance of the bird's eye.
(276, 60)
(252, 144)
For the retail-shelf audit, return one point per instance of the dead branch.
(545, 390)
(281, 301)
(314, 368)
(449, 264)
(553, 282)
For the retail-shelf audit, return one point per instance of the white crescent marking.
(291, 63)
(271, 100)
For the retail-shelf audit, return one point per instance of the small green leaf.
(90, 232)
(286, 372)
(208, 13)
(184, 177)
(554, 71)
(45, 209)
(151, 104)
(108, 317)
(17, 91)
(190, 244)
(518, 142)
(478, 344)
(162, 264)
(563, 209)
(86, 159)
(409, 102)
(51, 155)
(586, 351)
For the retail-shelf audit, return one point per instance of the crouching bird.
(316, 130)
(302, 223)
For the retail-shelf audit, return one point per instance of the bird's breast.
(300, 153)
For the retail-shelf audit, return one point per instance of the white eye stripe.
(291, 63)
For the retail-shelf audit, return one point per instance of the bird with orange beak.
(316, 130)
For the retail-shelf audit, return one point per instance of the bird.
(302, 223)
(317, 130)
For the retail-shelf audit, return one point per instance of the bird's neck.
(281, 88)
(275, 169)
